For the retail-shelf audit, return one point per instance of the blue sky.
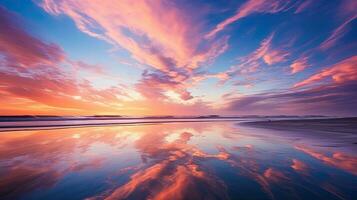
(179, 57)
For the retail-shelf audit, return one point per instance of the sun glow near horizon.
(94, 57)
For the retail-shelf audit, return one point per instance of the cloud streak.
(188, 57)
(344, 71)
(265, 54)
(299, 65)
(329, 100)
(169, 45)
(248, 8)
(18, 47)
(347, 9)
(34, 71)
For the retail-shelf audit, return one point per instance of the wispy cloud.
(299, 65)
(170, 44)
(341, 72)
(337, 34)
(346, 11)
(178, 58)
(337, 159)
(38, 78)
(304, 6)
(328, 100)
(265, 54)
(154, 85)
(34, 70)
(248, 8)
(20, 48)
(275, 56)
(299, 166)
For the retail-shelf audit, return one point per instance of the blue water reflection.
(206, 160)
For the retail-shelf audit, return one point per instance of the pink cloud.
(299, 65)
(38, 78)
(337, 34)
(154, 85)
(337, 159)
(266, 53)
(174, 175)
(250, 63)
(341, 72)
(298, 165)
(32, 75)
(43, 166)
(303, 6)
(21, 49)
(171, 45)
(329, 99)
(263, 49)
(96, 69)
(274, 175)
(49, 88)
(348, 12)
(275, 56)
(57, 89)
(152, 39)
(248, 8)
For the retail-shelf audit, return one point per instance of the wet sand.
(181, 160)
(332, 125)
(333, 132)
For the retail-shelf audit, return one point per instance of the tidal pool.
(185, 160)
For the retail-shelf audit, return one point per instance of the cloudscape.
(178, 99)
(269, 57)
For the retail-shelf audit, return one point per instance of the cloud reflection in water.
(168, 161)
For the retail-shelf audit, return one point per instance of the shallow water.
(188, 160)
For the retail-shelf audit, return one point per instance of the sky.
(178, 57)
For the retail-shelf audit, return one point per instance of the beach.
(209, 159)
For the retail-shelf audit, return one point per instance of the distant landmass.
(112, 117)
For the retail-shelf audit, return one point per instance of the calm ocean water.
(179, 160)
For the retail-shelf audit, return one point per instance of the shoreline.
(41, 125)
(344, 125)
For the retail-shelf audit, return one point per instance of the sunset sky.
(178, 57)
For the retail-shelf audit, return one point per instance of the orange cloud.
(142, 177)
(172, 45)
(274, 175)
(146, 35)
(341, 72)
(298, 165)
(57, 89)
(175, 185)
(38, 78)
(47, 156)
(299, 65)
(174, 174)
(274, 57)
(34, 79)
